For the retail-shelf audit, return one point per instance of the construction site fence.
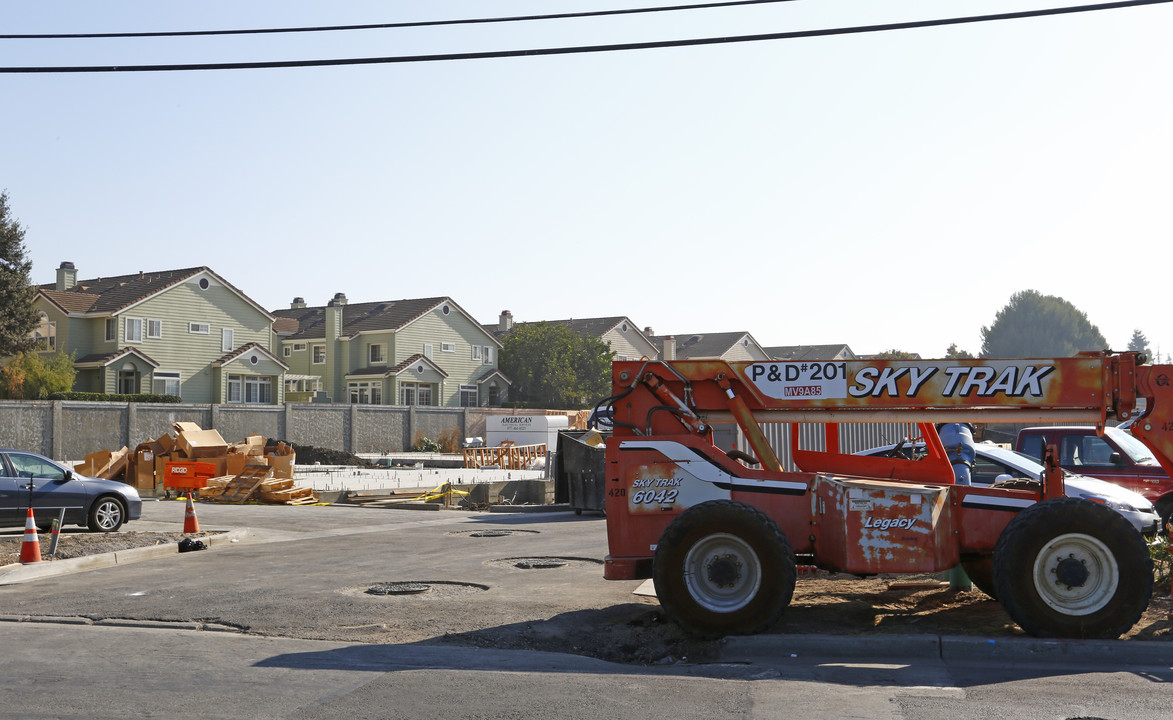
(506, 457)
(72, 429)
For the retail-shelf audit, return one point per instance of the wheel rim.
(722, 572)
(1076, 574)
(108, 515)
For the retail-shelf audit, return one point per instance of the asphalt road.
(278, 624)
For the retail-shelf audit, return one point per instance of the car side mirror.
(1115, 459)
(67, 477)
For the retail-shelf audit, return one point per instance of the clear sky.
(884, 190)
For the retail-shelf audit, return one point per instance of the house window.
(319, 355)
(287, 351)
(46, 332)
(448, 347)
(298, 347)
(166, 383)
(250, 389)
(365, 393)
(154, 329)
(111, 329)
(415, 394)
(476, 351)
(468, 396)
(428, 349)
(134, 330)
(226, 339)
(488, 353)
(198, 328)
(378, 354)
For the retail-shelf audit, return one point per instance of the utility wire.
(384, 26)
(585, 48)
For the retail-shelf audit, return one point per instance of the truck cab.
(1117, 457)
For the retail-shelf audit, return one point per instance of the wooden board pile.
(256, 483)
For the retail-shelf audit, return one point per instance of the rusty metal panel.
(880, 527)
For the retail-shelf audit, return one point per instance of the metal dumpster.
(581, 470)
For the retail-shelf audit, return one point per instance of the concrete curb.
(13, 574)
(950, 648)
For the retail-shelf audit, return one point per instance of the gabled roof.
(490, 374)
(110, 296)
(590, 327)
(810, 352)
(309, 323)
(704, 345)
(245, 350)
(94, 360)
(403, 366)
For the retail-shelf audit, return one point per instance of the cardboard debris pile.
(202, 462)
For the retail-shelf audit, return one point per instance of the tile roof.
(103, 359)
(115, 293)
(706, 345)
(310, 322)
(810, 352)
(243, 349)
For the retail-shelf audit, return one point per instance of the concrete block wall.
(69, 430)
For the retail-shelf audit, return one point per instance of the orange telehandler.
(722, 537)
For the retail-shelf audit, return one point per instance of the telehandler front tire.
(1068, 567)
(724, 568)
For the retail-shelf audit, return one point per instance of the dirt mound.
(310, 455)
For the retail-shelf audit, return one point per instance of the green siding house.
(179, 332)
(426, 352)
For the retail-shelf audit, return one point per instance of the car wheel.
(107, 514)
(724, 567)
(1067, 567)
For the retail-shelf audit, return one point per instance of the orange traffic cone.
(190, 523)
(30, 549)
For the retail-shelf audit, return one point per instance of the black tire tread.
(1017, 548)
(779, 570)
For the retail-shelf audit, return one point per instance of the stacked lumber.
(256, 483)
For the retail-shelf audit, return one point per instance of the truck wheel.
(980, 570)
(724, 567)
(1067, 567)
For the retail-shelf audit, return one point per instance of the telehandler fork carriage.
(722, 537)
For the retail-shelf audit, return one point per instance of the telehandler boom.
(722, 536)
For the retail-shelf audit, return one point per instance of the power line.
(534, 52)
(384, 26)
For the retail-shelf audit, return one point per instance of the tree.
(18, 317)
(954, 353)
(895, 354)
(1037, 325)
(552, 366)
(1139, 343)
(33, 376)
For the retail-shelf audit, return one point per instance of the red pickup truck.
(1117, 457)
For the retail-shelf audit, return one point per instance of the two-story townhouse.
(731, 346)
(619, 333)
(426, 351)
(182, 332)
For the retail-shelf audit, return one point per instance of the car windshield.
(1135, 449)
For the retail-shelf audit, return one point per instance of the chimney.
(66, 276)
(505, 323)
(669, 351)
(297, 304)
(334, 316)
(648, 331)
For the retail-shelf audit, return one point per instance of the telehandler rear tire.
(1068, 567)
(724, 568)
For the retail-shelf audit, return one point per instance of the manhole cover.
(540, 564)
(490, 533)
(398, 588)
(430, 589)
(544, 563)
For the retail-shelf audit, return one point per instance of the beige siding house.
(426, 351)
(623, 336)
(178, 332)
(730, 346)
